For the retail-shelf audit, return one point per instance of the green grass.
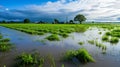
(63, 65)
(81, 43)
(97, 44)
(5, 40)
(100, 45)
(40, 33)
(114, 35)
(115, 32)
(108, 33)
(65, 35)
(51, 61)
(103, 47)
(105, 38)
(81, 54)
(100, 32)
(1, 36)
(53, 37)
(5, 45)
(80, 28)
(47, 28)
(114, 40)
(29, 60)
(91, 42)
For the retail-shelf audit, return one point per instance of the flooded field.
(53, 51)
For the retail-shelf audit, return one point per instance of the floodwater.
(29, 43)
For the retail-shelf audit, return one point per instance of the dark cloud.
(37, 15)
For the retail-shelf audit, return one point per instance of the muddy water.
(29, 43)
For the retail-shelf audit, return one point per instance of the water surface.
(29, 43)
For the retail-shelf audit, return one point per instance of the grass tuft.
(81, 43)
(91, 42)
(108, 33)
(53, 37)
(105, 38)
(64, 35)
(114, 40)
(5, 40)
(81, 54)
(29, 60)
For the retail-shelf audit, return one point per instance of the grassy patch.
(105, 38)
(82, 55)
(53, 37)
(5, 40)
(114, 40)
(64, 35)
(81, 43)
(91, 41)
(80, 28)
(115, 33)
(1, 36)
(29, 60)
(48, 28)
(108, 33)
(100, 45)
(51, 61)
(5, 46)
(100, 32)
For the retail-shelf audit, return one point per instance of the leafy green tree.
(3, 21)
(71, 22)
(80, 18)
(26, 21)
(93, 22)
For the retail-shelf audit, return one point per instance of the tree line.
(78, 18)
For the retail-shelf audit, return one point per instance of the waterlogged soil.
(31, 43)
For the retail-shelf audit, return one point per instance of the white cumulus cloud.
(94, 10)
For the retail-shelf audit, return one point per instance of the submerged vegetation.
(57, 32)
(114, 40)
(40, 29)
(5, 45)
(91, 42)
(114, 35)
(53, 37)
(99, 45)
(29, 60)
(81, 43)
(64, 35)
(81, 54)
(108, 33)
(105, 38)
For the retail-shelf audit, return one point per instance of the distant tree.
(71, 22)
(3, 21)
(56, 21)
(93, 22)
(11, 22)
(26, 21)
(80, 18)
(41, 22)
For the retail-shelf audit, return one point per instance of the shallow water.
(29, 43)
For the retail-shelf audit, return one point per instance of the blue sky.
(36, 10)
(20, 3)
